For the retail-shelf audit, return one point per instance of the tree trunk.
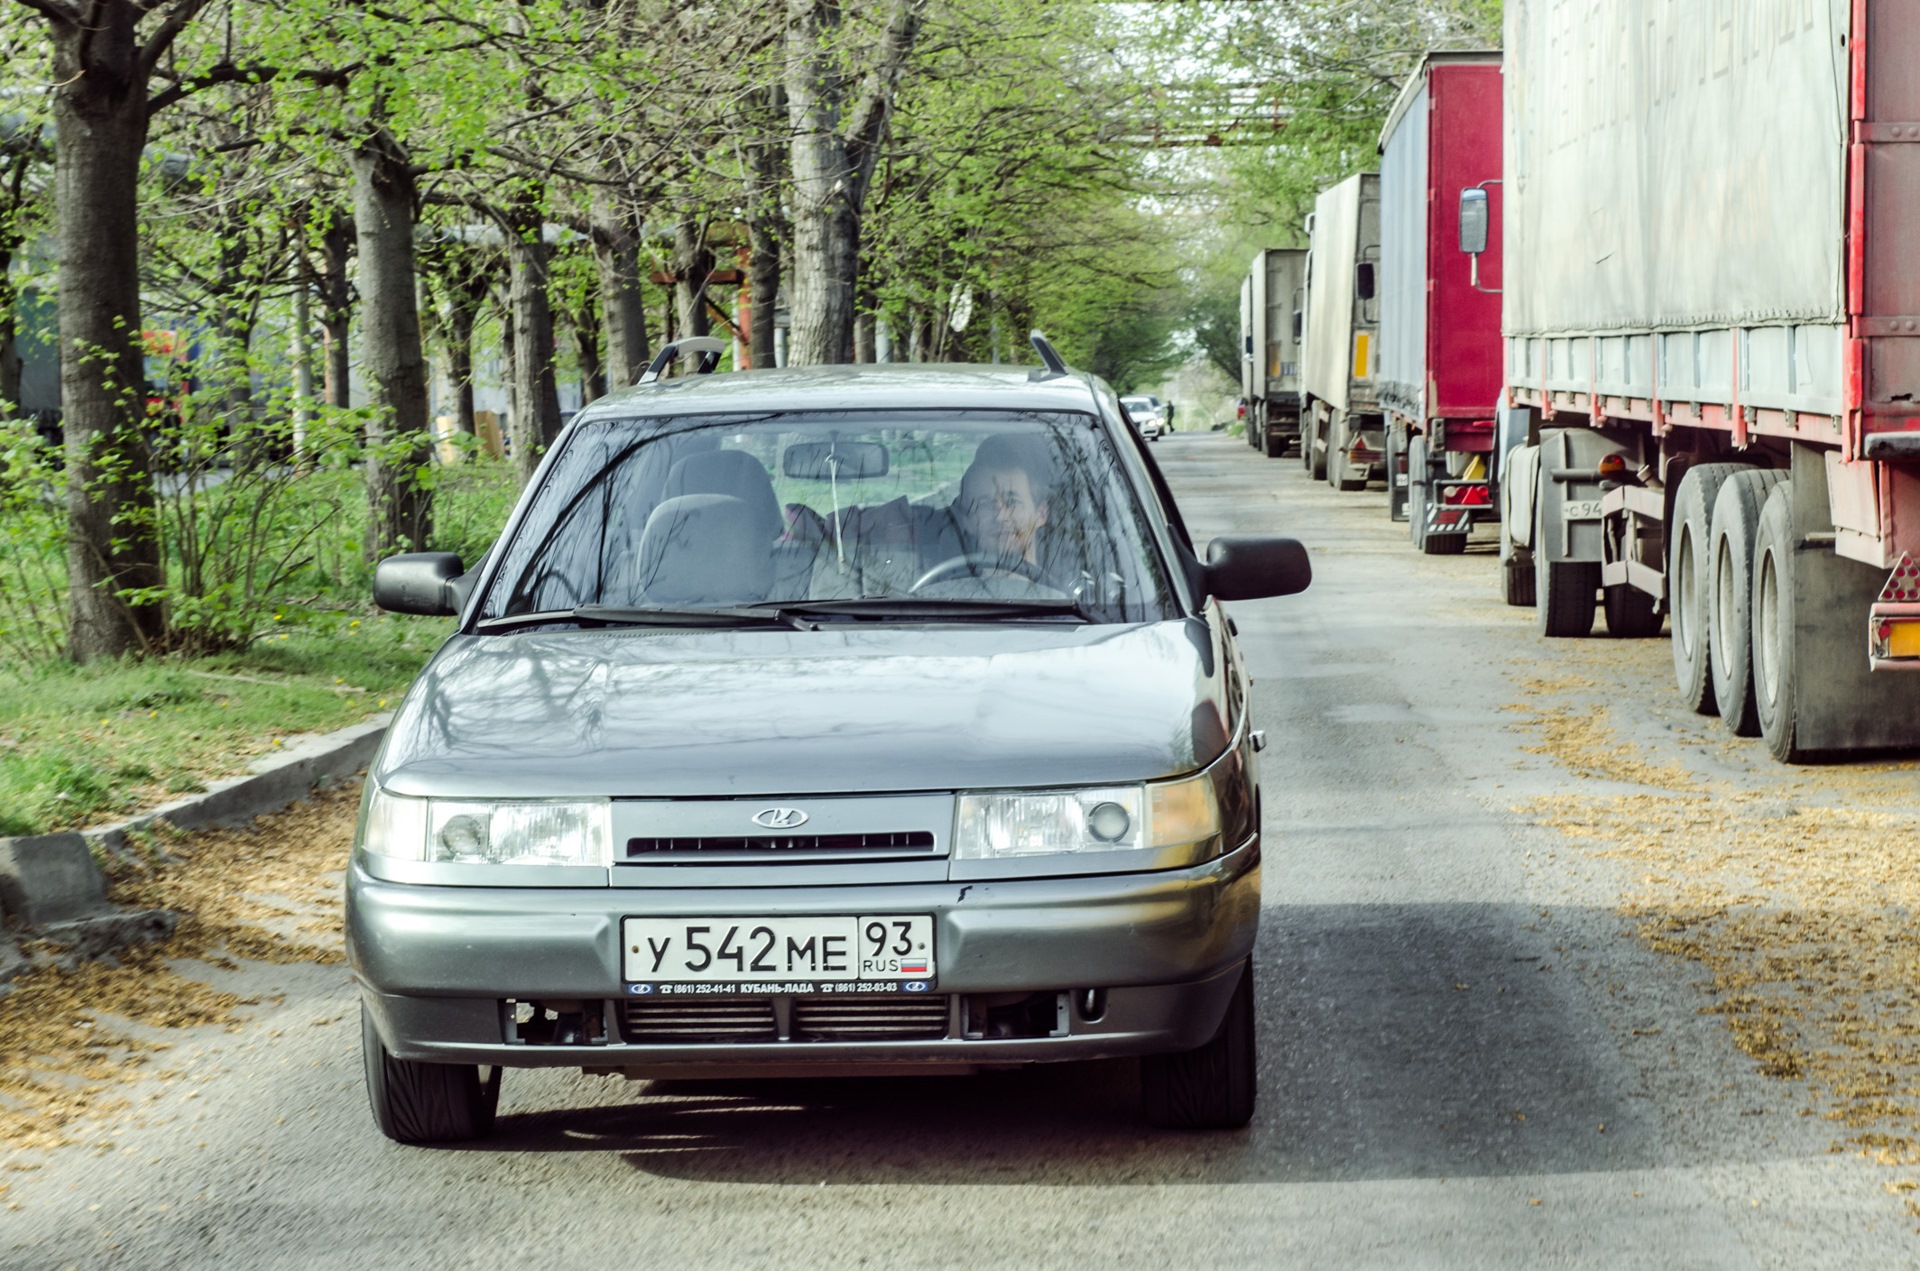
(586, 351)
(100, 127)
(766, 160)
(536, 400)
(835, 143)
(863, 337)
(336, 303)
(461, 312)
(301, 355)
(391, 356)
(623, 307)
(11, 239)
(692, 264)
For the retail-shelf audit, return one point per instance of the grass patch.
(81, 745)
(302, 649)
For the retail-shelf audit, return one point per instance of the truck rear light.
(1470, 496)
(1893, 624)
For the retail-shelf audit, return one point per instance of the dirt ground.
(1794, 890)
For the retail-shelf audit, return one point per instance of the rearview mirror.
(418, 582)
(834, 460)
(1299, 324)
(1474, 213)
(1363, 283)
(1252, 567)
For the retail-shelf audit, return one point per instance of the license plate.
(1580, 510)
(882, 952)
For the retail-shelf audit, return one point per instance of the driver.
(1004, 501)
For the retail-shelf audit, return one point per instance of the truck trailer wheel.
(1631, 613)
(1563, 591)
(1314, 451)
(1516, 581)
(1274, 443)
(1690, 579)
(1775, 678)
(1736, 521)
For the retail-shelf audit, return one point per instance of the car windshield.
(1007, 511)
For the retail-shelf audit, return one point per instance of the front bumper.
(437, 965)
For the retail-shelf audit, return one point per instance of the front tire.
(1213, 1086)
(426, 1103)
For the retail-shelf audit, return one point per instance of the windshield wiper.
(650, 616)
(933, 608)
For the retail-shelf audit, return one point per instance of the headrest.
(736, 474)
(703, 549)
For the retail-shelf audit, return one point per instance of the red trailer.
(1712, 332)
(1439, 319)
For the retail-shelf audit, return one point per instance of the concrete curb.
(52, 883)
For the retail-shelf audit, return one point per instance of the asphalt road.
(1467, 1058)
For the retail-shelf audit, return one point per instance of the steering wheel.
(977, 562)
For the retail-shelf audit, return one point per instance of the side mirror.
(1248, 349)
(418, 582)
(1363, 282)
(1474, 214)
(1252, 567)
(1299, 324)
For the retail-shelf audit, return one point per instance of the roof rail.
(1055, 364)
(708, 347)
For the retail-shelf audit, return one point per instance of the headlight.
(1060, 822)
(470, 833)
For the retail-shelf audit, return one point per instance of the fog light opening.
(559, 1022)
(1013, 1016)
(1090, 1005)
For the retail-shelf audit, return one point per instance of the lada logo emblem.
(780, 818)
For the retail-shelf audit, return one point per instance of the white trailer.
(1272, 300)
(1342, 431)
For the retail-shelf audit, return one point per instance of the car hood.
(708, 713)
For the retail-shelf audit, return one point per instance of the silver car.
(875, 719)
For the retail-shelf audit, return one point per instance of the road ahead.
(1504, 878)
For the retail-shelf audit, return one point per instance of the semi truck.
(1439, 316)
(1711, 326)
(1342, 434)
(1271, 299)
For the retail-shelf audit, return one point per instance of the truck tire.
(1631, 613)
(1213, 1086)
(426, 1103)
(1516, 582)
(1563, 591)
(1736, 521)
(1314, 454)
(1399, 485)
(1775, 676)
(1689, 580)
(1275, 444)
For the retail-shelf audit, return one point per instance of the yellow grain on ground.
(1800, 901)
(268, 892)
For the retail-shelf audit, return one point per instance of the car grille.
(776, 846)
(890, 1018)
(712, 1020)
(717, 1021)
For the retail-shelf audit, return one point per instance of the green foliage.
(33, 536)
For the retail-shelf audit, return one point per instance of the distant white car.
(1147, 414)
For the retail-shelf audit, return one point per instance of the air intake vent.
(889, 1018)
(780, 846)
(666, 1021)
